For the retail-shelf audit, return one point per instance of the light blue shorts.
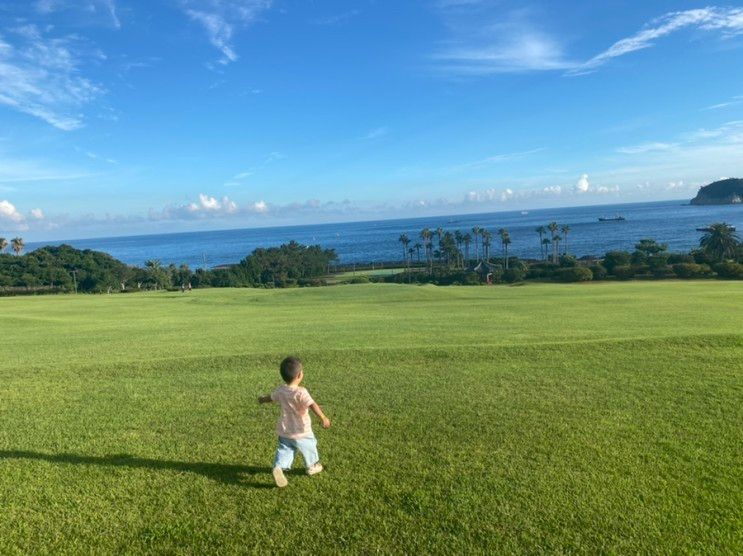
(306, 446)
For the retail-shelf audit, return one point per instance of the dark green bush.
(676, 258)
(729, 270)
(691, 270)
(575, 274)
(541, 270)
(616, 258)
(358, 280)
(623, 272)
(513, 275)
(598, 271)
(567, 261)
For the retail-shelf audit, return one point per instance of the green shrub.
(661, 272)
(599, 272)
(575, 274)
(691, 270)
(358, 280)
(567, 261)
(616, 258)
(541, 270)
(513, 275)
(730, 270)
(676, 258)
(623, 272)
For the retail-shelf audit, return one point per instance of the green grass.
(370, 272)
(543, 418)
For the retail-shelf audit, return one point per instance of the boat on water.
(615, 218)
(708, 229)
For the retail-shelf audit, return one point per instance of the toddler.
(294, 426)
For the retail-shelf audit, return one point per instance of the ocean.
(671, 222)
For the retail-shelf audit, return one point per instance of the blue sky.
(132, 116)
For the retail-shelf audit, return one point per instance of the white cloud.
(335, 19)
(260, 206)
(92, 8)
(583, 184)
(273, 157)
(37, 213)
(221, 18)
(521, 50)
(553, 189)
(8, 212)
(376, 133)
(520, 46)
(729, 21)
(646, 147)
(41, 76)
(503, 157)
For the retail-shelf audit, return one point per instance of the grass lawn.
(544, 418)
(370, 272)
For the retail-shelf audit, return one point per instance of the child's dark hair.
(290, 368)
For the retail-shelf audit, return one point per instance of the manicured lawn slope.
(588, 418)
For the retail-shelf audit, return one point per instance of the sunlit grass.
(587, 418)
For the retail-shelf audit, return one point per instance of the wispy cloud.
(93, 156)
(521, 46)
(13, 170)
(503, 157)
(335, 19)
(222, 18)
(736, 100)
(726, 20)
(41, 76)
(376, 133)
(100, 8)
(646, 148)
(519, 49)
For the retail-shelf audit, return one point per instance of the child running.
(294, 426)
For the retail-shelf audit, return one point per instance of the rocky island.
(723, 192)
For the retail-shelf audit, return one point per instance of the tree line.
(443, 257)
(66, 269)
(453, 249)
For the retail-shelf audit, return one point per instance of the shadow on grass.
(222, 472)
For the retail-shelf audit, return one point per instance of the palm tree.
(405, 240)
(556, 246)
(565, 230)
(720, 242)
(476, 232)
(17, 245)
(3, 245)
(467, 239)
(418, 247)
(553, 227)
(541, 230)
(410, 255)
(505, 240)
(546, 244)
(486, 243)
(459, 239)
(426, 235)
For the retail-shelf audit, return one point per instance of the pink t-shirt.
(295, 419)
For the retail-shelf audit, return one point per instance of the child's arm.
(265, 399)
(317, 410)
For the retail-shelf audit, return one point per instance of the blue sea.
(671, 222)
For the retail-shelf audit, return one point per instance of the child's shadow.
(222, 472)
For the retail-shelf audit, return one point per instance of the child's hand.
(326, 423)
